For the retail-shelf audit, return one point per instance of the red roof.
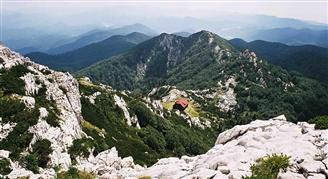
(183, 102)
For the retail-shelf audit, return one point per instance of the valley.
(122, 109)
(163, 89)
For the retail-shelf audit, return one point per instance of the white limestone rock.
(62, 90)
(93, 97)
(227, 99)
(28, 101)
(174, 94)
(130, 120)
(108, 164)
(9, 58)
(5, 129)
(4, 154)
(238, 148)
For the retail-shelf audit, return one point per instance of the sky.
(99, 10)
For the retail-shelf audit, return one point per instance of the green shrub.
(153, 138)
(144, 115)
(31, 163)
(10, 82)
(321, 122)
(5, 167)
(42, 149)
(268, 167)
(9, 107)
(73, 173)
(80, 147)
(42, 101)
(18, 139)
(52, 118)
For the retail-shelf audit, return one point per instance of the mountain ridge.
(99, 35)
(309, 60)
(205, 61)
(92, 53)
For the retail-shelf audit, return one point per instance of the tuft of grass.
(144, 177)
(88, 125)
(73, 173)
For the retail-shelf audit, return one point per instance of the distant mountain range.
(99, 35)
(89, 54)
(311, 61)
(60, 37)
(292, 36)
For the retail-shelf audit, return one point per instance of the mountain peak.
(204, 33)
(166, 34)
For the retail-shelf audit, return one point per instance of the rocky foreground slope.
(236, 149)
(42, 118)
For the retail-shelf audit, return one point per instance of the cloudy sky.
(98, 10)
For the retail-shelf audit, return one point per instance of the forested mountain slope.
(311, 61)
(90, 54)
(207, 63)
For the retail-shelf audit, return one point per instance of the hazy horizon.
(26, 22)
(75, 12)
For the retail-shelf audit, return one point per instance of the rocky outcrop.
(227, 96)
(238, 148)
(61, 89)
(6, 128)
(9, 58)
(130, 120)
(108, 164)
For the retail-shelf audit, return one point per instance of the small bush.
(19, 138)
(268, 167)
(42, 149)
(321, 122)
(80, 147)
(5, 168)
(73, 173)
(31, 163)
(10, 82)
(52, 119)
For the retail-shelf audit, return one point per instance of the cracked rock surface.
(238, 148)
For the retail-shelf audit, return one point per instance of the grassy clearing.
(192, 110)
(88, 125)
(168, 105)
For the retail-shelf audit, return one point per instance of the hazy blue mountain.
(26, 39)
(87, 55)
(99, 35)
(228, 25)
(312, 61)
(292, 36)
